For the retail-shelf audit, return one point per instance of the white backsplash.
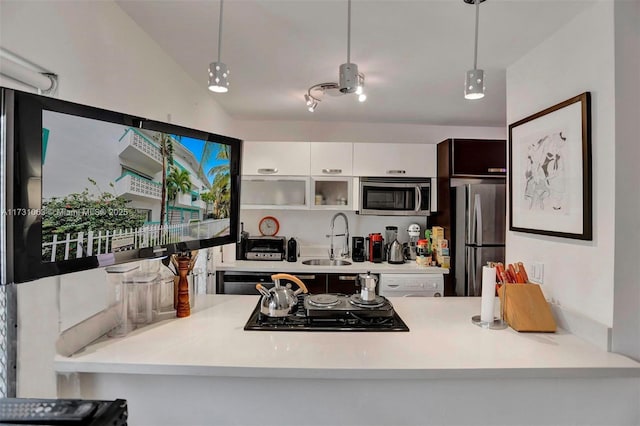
(310, 227)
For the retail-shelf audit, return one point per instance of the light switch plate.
(537, 273)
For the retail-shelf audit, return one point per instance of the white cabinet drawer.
(411, 285)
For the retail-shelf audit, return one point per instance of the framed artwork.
(550, 171)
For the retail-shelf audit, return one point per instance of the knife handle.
(523, 272)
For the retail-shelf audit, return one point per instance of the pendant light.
(351, 80)
(218, 72)
(349, 77)
(474, 81)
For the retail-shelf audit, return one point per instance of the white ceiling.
(414, 54)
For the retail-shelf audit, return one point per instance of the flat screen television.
(84, 187)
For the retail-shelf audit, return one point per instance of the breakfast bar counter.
(209, 357)
(442, 343)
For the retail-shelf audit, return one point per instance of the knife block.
(525, 308)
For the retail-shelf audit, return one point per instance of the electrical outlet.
(537, 273)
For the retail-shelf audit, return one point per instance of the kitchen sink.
(326, 262)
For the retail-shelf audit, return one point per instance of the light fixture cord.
(475, 51)
(349, 32)
(220, 32)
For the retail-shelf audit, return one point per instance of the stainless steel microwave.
(395, 196)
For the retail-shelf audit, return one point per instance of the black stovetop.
(340, 318)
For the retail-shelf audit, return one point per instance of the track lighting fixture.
(350, 79)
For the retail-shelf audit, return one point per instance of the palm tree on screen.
(178, 181)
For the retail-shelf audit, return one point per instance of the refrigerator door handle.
(478, 219)
(471, 271)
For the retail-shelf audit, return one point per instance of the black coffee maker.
(292, 250)
(358, 252)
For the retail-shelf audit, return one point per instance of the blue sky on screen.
(196, 146)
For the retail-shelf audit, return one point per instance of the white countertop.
(409, 267)
(442, 343)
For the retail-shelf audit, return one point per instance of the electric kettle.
(395, 254)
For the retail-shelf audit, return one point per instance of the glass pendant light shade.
(218, 77)
(474, 84)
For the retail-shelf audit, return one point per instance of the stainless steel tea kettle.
(280, 301)
(395, 253)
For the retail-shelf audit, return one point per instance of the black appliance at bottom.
(81, 412)
(358, 251)
(292, 250)
(331, 312)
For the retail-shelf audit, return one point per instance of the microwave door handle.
(418, 198)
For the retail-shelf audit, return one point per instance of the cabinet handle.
(306, 277)
(396, 172)
(496, 170)
(267, 171)
(331, 171)
(347, 277)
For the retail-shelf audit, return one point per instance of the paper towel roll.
(488, 293)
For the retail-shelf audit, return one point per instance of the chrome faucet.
(345, 249)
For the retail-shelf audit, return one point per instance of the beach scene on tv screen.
(107, 188)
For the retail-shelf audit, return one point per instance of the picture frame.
(550, 189)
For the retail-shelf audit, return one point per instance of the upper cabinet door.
(331, 158)
(394, 159)
(478, 157)
(276, 158)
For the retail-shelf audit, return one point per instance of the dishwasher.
(231, 282)
(411, 285)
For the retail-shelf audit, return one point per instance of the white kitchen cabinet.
(274, 192)
(331, 193)
(331, 158)
(276, 158)
(394, 159)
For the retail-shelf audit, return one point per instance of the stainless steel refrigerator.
(480, 226)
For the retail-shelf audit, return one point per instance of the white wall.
(103, 59)
(314, 131)
(626, 304)
(578, 275)
(310, 227)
